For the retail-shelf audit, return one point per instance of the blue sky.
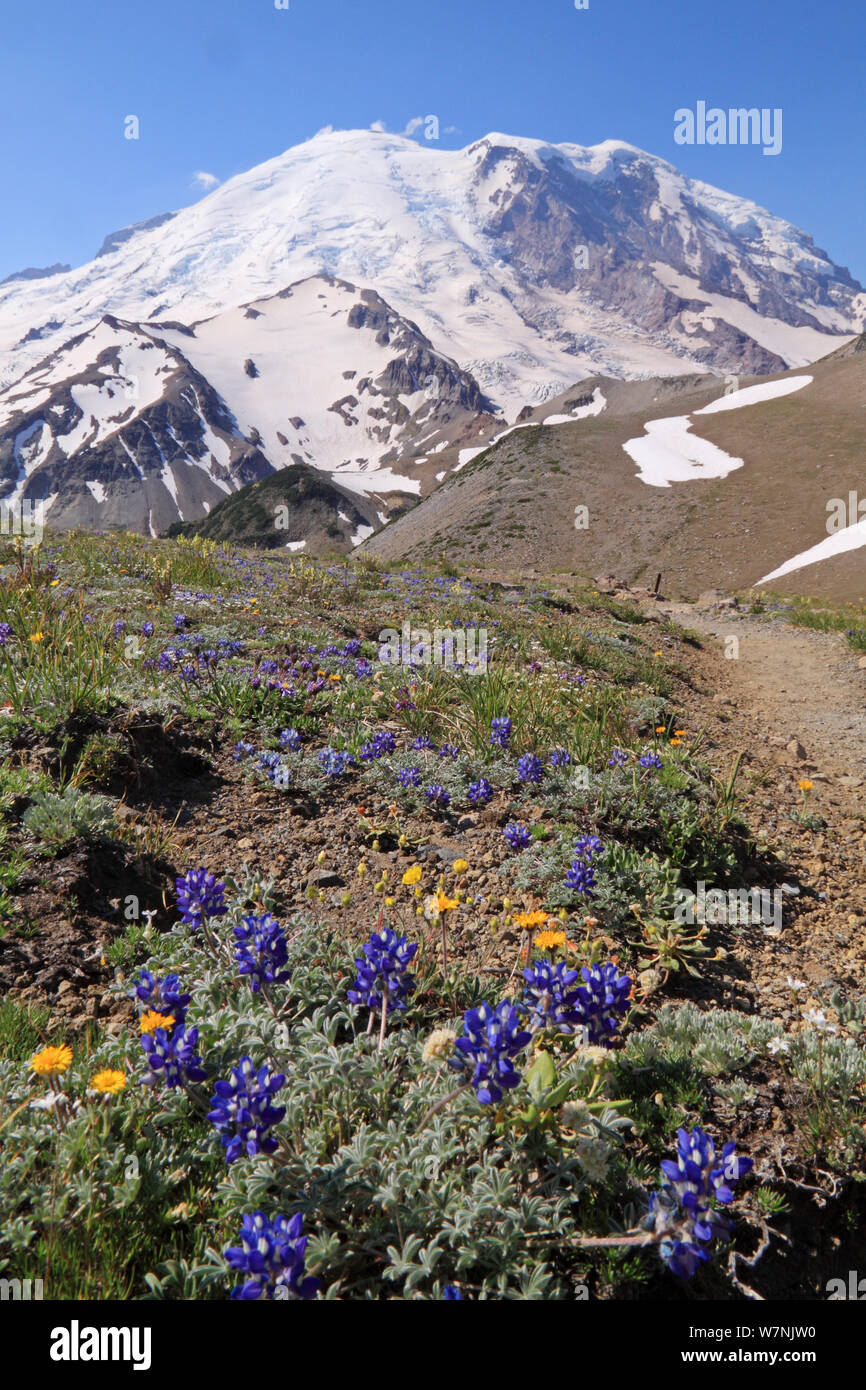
(220, 85)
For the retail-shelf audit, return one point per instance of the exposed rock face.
(36, 273)
(124, 427)
(133, 438)
(114, 240)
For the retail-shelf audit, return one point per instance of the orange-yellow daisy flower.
(108, 1082)
(51, 1061)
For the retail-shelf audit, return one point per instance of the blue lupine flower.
(5, 633)
(262, 951)
(452, 1294)
(601, 998)
(147, 629)
(491, 1039)
(291, 739)
(581, 877)
(272, 1255)
(180, 622)
(163, 996)
(119, 629)
(437, 795)
(650, 759)
(480, 792)
(243, 750)
(551, 997)
(449, 750)
(587, 846)
(421, 742)
(409, 777)
(530, 768)
(684, 1209)
(334, 764)
(383, 968)
(618, 757)
(517, 835)
(500, 731)
(241, 1109)
(173, 1055)
(381, 744)
(363, 668)
(269, 764)
(560, 757)
(199, 896)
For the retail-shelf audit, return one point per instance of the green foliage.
(58, 818)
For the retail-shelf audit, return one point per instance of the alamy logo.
(16, 1289)
(841, 514)
(851, 1290)
(737, 126)
(76, 1343)
(454, 648)
(25, 519)
(731, 907)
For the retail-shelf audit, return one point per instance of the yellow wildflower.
(37, 637)
(527, 920)
(460, 866)
(51, 1061)
(412, 875)
(549, 940)
(804, 784)
(151, 1020)
(110, 1083)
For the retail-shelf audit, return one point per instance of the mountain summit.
(446, 291)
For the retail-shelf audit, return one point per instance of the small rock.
(795, 747)
(245, 843)
(325, 878)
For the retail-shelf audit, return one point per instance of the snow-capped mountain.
(143, 426)
(365, 304)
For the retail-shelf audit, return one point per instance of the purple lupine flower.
(560, 757)
(500, 731)
(480, 792)
(517, 835)
(618, 757)
(437, 795)
(602, 998)
(551, 997)
(334, 764)
(684, 1211)
(650, 759)
(409, 777)
(379, 746)
(492, 1037)
(587, 846)
(383, 969)
(271, 1255)
(580, 878)
(241, 1110)
(5, 634)
(291, 739)
(173, 1055)
(200, 896)
(262, 951)
(162, 995)
(530, 768)
(243, 750)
